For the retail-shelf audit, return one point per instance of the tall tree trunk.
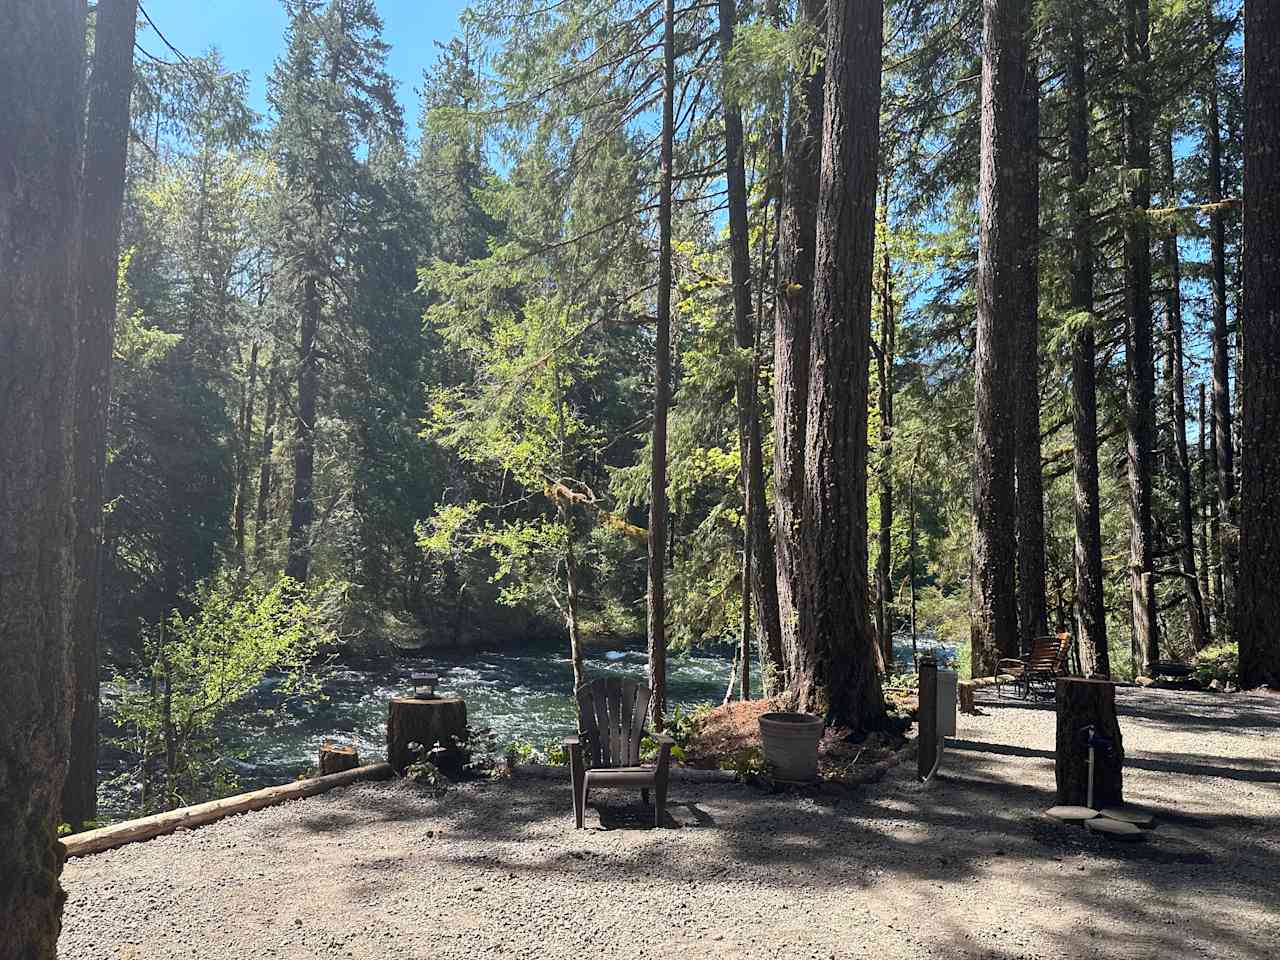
(837, 675)
(41, 123)
(245, 445)
(885, 357)
(110, 84)
(1033, 606)
(1222, 413)
(662, 391)
(1091, 618)
(1202, 516)
(304, 457)
(1140, 356)
(1003, 265)
(1258, 597)
(760, 575)
(264, 468)
(1178, 407)
(793, 318)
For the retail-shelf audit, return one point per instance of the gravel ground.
(964, 868)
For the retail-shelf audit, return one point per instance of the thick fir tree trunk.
(1258, 597)
(1202, 517)
(1033, 606)
(1140, 355)
(42, 113)
(662, 392)
(304, 457)
(1178, 409)
(837, 676)
(760, 575)
(264, 469)
(1224, 451)
(885, 357)
(1090, 611)
(1004, 263)
(793, 318)
(110, 84)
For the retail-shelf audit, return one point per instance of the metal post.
(927, 717)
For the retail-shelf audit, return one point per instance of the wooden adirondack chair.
(606, 751)
(1042, 666)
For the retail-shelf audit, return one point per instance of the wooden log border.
(146, 828)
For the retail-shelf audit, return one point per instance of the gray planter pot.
(791, 744)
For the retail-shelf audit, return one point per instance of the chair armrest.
(663, 740)
(1010, 663)
(574, 741)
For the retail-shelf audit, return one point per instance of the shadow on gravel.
(1230, 768)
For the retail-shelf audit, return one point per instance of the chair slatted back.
(1047, 654)
(611, 716)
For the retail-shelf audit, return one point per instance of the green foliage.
(1219, 662)
(194, 670)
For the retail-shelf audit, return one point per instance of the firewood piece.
(336, 757)
(441, 720)
(1081, 704)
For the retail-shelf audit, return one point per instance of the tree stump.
(964, 693)
(440, 720)
(335, 757)
(1083, 703)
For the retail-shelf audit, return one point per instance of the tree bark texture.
(836, 673)
(760, 580)
(106, 139)
(1004, 263)
(1202, 517)
(1082, 704)
(1033, 606)
(1258, 597)
(42, 112)
(793, 318)
(1139, 352)
(304, 429)
(657, 626)
(1090, 610)
(1178, 408)
(884, 558)
(1224, 450)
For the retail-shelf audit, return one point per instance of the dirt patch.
(729, 737)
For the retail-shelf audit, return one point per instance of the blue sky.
(250, 35)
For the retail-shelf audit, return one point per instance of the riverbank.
(967, 867)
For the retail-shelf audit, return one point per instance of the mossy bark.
(41, 117)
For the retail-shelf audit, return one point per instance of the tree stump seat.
(437, 720)
(1086, 711)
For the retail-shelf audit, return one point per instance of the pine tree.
(836, 666)
(1006, 271)
(110, 85)
(332, 97)
(1258, 597)
(42, 52)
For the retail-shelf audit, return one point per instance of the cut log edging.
(147, 828)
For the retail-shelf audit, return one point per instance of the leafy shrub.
(1219, 662)
(195, 668)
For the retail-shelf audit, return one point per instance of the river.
(520, 694)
